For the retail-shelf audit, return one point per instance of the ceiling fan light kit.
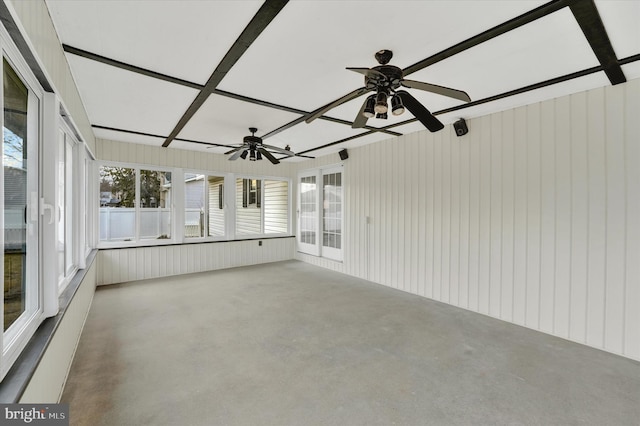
(397, 108)
(369, 107)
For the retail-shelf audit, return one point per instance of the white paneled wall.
(533, 217)
(131, 264)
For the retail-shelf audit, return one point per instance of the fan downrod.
(252, 140)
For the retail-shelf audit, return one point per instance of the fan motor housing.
(252, 140)
(393, 74)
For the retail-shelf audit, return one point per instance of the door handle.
(44, 207)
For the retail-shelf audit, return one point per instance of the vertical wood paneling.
(445, 217)
(579, 218)
(485, 215)
(123, 265)
(437, 219)
(616, 218)
(465, 221)
(455, 214)
(430, 212)
(562, 278)
(474, 216)
(415, 214)
(596, 273)
(422, 195)
(547, 217)
(495, 230)
(508, 219)
(632, 267)
(534, 215)
(520, 213)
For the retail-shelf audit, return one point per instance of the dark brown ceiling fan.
(385, 80)
(253, 147)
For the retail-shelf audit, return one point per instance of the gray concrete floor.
(291, 344)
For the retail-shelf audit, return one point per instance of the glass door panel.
(19, 190)
(332, 215)
(308, 215)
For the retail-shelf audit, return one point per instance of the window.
(320, 213)
(138, 205)
(135, 204)
(155, 204)
(65, 243)
(21, 309)
(204, 206)
(332, 210)
(262, 206)
(117, 203)
(308, 219)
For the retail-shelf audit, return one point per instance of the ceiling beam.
(134, 132)
(586, 13)
(338, 142)
(496, 31)
(125, 66)
(260, 21)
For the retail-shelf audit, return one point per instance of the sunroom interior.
(121, 118)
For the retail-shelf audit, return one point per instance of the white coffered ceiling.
(202, 72)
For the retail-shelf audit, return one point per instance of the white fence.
(119, 224)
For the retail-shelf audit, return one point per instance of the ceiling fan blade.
(420, 112)
(267, 154)
(346, 98)
(230, 151)
(279, 150)
(440, 90)
(360, 120)
(237, 154)
(368, 72)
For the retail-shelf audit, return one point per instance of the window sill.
(199, 241)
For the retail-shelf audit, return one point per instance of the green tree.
(121, 182)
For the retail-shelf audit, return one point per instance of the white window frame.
(74, 223)
(176, 210)
(14, 340)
